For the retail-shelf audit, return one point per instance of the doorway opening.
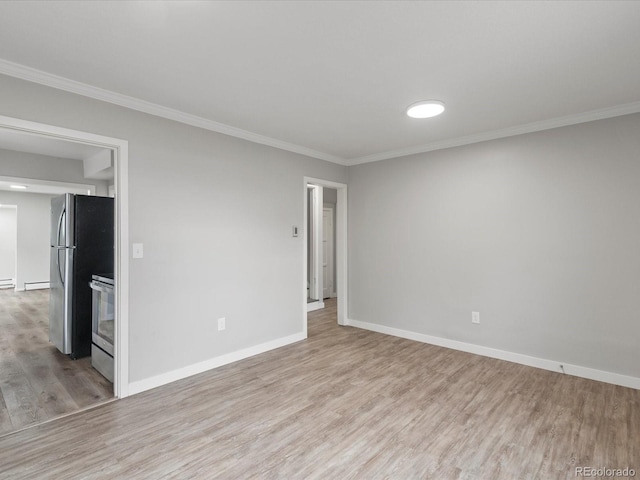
(21, 131)
(314, 248)
(328, 249)
(325, 247)
(8, 245)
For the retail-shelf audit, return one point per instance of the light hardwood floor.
(37, 382)
(344, 404)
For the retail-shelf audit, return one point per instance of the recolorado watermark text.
(601, 472)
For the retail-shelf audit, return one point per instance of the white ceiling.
(332, 79)
(19, 141)
(54, 147)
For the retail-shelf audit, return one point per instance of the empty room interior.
(345, 240)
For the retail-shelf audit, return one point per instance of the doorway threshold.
(64, 415)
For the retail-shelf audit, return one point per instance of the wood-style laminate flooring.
(37, 382)
(344, 404)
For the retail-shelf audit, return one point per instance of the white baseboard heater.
(36, 285)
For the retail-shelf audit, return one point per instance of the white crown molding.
(591, 116)
(38, 76)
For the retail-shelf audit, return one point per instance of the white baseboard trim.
(552, 365)
(314, 306)
(174, 375)
(36, 286)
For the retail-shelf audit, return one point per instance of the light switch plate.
(137, 250)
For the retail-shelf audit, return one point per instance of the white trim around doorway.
(340, 252)
(120, 149)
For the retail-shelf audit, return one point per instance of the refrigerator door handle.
(58, 263)
(62, 212)
(65, 249)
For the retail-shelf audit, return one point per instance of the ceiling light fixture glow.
(18, 187)
(425, 109)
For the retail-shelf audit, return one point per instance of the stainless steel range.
(102, 318)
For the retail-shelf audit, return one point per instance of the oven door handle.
(101, 287)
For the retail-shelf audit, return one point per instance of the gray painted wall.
(44, 167)
(215, 215)
(32, 235)
(540, 233)
(8, 239)
(329, 195)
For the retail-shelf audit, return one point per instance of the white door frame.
(328, 264)
(340, 252)
(315, 236)
(14, 274)
(120, 149)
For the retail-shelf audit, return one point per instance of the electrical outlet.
(475, 317)
(222, 324)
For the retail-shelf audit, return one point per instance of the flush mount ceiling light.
(18, 187)
(425, 109)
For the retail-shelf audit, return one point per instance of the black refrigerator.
(82, 244)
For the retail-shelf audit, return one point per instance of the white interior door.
(327, 252)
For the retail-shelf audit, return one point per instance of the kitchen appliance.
(82, 243)
(102, 324)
